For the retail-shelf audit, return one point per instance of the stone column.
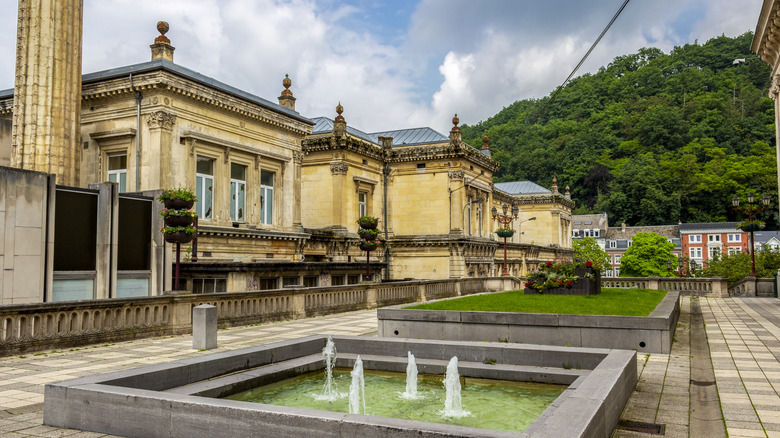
(156, 169)
(457, 202)
(297, 162)
(339, 171)
(46, 132)
(774, 92)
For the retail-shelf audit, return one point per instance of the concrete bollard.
(204, 327)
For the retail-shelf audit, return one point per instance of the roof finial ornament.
(455, 121)
(555, 185)
(567, 195)
(162, 27)
(287, 82)
(162, 48)
(339, 110)
(485, 141)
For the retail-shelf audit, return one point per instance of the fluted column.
(46, 131)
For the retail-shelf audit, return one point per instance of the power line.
(573, 72)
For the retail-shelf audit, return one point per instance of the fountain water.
(411, 378)
(329, 390)
(357, 389)
(452, 402)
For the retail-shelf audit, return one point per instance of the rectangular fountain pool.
(179, 399)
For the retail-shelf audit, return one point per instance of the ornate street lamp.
(505, 231)
(752, 209)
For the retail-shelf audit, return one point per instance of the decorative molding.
(233, 145)
(338, 168)
(774, 90)
(298, 157)
(456, 175)
(118, 134)
(161, 119)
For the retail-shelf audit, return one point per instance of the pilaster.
(156, 173)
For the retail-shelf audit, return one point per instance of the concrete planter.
(650, 334)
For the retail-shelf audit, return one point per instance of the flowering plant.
(172, 212)
(182, 193)
(171, 230)
(505, 229)
(359, 242)
(553, 274)
(368, 220)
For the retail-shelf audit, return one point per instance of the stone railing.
(709, 287)
(40, 326)
(753, 287)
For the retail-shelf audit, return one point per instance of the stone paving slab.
(743, 336)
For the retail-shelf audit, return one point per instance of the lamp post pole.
(505, 219)
(752, 209)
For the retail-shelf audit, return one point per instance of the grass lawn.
(627, 302)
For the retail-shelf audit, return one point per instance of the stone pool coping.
(648, 334)
(159, 400)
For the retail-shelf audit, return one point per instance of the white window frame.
(735, 238)
(202, 182)
(362, 204)
(616, 259)
(236, 203)
(713, 237)
(694, 238)
(118, 176)
(267, 199)
(596, 233)
(613, 243)
(694, 252)
(735, 250)
(714, 250)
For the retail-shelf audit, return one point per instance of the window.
(714, 237)
(204, 190)
(617, 272)
(735, 238)
(468, 220)
(361, 204)
(208, 285)
(715, 251)
(609, 273)
(694, 253)
(613, 243)
(290, 281)
(310, 281)
(617, 259)
(353, 279)
(117, 170)
(268, 283)
(266, 197)
(596, 233)
(421, 165)
(576, 233)
(337, 280)
(237, 192)
(735, 250)
(694, 238)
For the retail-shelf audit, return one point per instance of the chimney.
(567, 195)
(339, 124)
(286, 99)
(162, 47)
(623, 226)
(486, 146)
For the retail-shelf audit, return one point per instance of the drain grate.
(638, 426)
(701, 383)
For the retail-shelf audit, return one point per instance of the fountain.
(329, 355)
(411, 378)
(357, 390)
(452, 402)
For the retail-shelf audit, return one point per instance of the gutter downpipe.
(138, 98)
(387, 238)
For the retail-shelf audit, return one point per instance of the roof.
(582, 220)
(766, 236)
(668, 231)
(708, 227)
(521, 188)
(164, 64)
(413, 136)
(323, 125)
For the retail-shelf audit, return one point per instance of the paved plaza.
(723, 375)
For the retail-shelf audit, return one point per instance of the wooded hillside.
(652, 138)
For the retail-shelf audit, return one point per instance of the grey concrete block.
(204, 327)
(55, 408)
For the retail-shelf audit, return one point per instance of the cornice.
(544, 199)
(766, 42)
(165, 81)
(216, 231)
(443, 151)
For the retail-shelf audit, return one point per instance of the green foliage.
(647, 256)
(589, 249)
(651, 138)
(735, 267)
(182, 193)
(629, 302)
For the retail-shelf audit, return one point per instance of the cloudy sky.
(391, 63)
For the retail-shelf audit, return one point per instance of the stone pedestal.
(204, 327)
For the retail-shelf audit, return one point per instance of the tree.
(588, 249)
(735, 267)
(647, 256)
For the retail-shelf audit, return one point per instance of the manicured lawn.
(627, 302)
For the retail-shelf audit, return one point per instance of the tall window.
(361, 204)
(735, 238)
(237, 192)
(714, 237)
(695, 253)
(694, 238)
(117, 171)
(714, 251)
(468, 221)
(204, 181)
(266, 197)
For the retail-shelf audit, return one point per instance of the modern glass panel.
(117, 171)
(267, 197)
(132, 287)
(204, 189)
(73, 289)
(237, 192)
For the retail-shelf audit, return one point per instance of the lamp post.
(752, 209)
(505, 219)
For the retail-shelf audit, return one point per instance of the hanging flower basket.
(368, 222)
(505, 233)
(179, 237)
(368, 234)
(178, 221)
(177, 199)
(368, 246)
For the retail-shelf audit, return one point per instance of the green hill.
(652, 138)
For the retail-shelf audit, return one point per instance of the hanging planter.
(368, 222)
(368, 245)
(177, 218)
(505, 232)
(368, 234)
(177, 199)
(179, 237)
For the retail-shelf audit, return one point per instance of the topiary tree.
(588, 249)
(647, 256)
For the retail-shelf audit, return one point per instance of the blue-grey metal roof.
(5, 94)
(164, 64)
(323, 125)
(413, 136)
(521, 188)
(708, 227)
(765, 236)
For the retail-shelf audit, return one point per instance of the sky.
(392, 64)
